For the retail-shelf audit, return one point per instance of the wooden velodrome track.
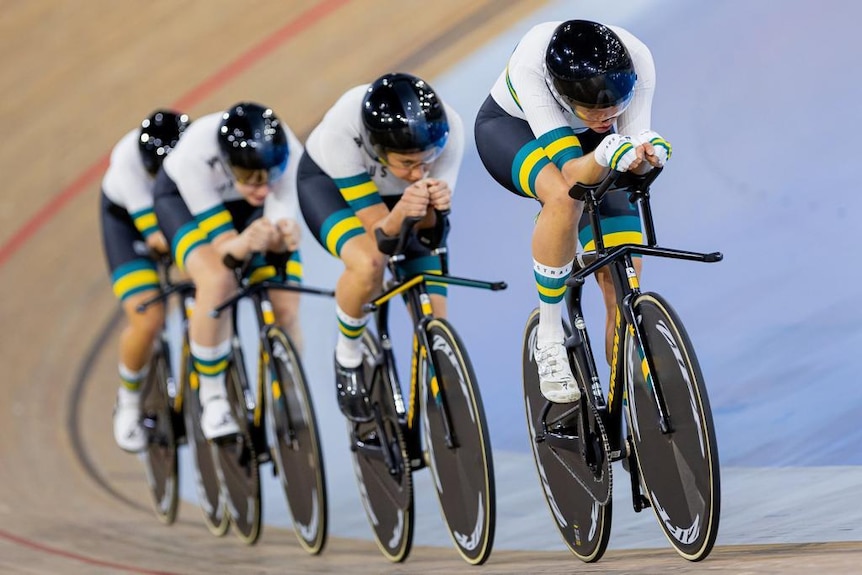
(75, 77)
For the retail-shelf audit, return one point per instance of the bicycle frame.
(619, 262)
(258, 293)
(414, 291)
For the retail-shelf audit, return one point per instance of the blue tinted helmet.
(251, 137)
(402, 113)
(590, 66)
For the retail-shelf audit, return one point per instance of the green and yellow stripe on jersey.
(558, 146)
(338, 228)
(215, 222)
(187, 239)
(561, 145)
(134, 277)
(512, 91)
(526, 166)
(358, 191)
(145, 221)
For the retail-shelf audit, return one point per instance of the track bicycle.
(276, 419)
(443, 425)
(171, 416)
(656, 417)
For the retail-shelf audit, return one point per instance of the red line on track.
(195, 95)
(89, 175)
(82, 558)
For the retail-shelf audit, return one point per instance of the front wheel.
(209, 493)
(679, 466)
(458, 444)
(236, 460)
(295, 443)
(583, 523)
(160, 457)
(381, 463)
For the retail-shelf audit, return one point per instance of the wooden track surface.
(75, 77)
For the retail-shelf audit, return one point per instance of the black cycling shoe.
(350, 392)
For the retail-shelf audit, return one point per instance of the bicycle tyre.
(463, 474)
(160, 458)
(296, 444)
(680, 469)
(210, 496)
(387, 498)
(236, 460)
(583, 523)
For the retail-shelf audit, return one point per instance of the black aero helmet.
(589, 65)
(160, 132)
(402, 113)
(251, 137)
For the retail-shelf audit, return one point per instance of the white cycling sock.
(130, 380)
(348, 351)
(210, 364)
(551, 282)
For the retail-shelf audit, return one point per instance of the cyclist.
(130, 235)
(384, 152)
(229, 188)
(574, 100)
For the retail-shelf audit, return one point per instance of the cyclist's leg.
(285, 304)
(337, 228)
(603, 278)
(520, 162)
(134, 280)
(209, 338)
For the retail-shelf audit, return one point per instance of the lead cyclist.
(574, 100)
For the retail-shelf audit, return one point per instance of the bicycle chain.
(605, 449)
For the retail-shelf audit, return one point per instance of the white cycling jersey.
(126, 181)
(339, 147)
(205, 181)
(524, 89)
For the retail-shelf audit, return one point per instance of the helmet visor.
(598, 115)
(408, 159)
(259, 177)
(606, 91)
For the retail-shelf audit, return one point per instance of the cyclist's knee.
(209, 274)
(286, 306)
(148, 322)
(365, 265)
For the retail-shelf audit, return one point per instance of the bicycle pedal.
(226, 440)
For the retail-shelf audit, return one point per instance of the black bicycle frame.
(259, 295)
(619, 262)
(413, 289)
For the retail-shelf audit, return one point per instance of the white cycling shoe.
(217, 419)
(556, 381)
(129, 434)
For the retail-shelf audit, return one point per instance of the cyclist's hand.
(414, 201)
(657, 150)
(259, 235)
(157, 242)
(289, 233)
(621, 153)
(439, 194)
